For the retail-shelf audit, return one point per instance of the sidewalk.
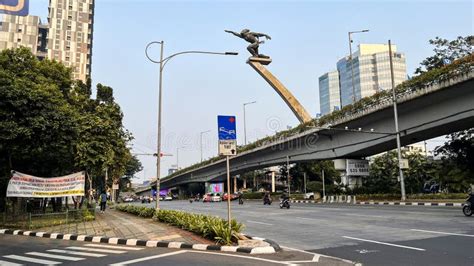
(114, 223)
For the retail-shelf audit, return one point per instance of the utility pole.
(288, 174)
(304, 177)
(245, 122)
(202, 133)
(397, 131)
(229, 219)
(324, 186)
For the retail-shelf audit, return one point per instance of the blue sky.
(308, 37)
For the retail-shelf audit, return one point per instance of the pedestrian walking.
(103, 201)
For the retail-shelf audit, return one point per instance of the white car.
(309, 196)
(216, 198)
(168, 198)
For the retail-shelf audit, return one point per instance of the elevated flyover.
(424, 113)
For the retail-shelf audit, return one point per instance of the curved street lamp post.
(245, 123)
(162, 64)
(350, 57)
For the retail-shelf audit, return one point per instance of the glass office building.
(329, 97)
(371, 70)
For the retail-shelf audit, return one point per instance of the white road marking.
(6, 263)
(309, 219)
(245, 257)
(318, 256)
(383, 243)
(112, 247)
(255, 222)
(52, 256)
(95, 255)
(441, 233)
(32, 260)
(149, 258)
(97, 250)
(367, 216)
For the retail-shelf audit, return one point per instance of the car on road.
(211, 197)
(128, 200)
(309, 196)
(168, 198)
(233, 196)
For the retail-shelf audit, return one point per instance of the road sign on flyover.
(227, 135)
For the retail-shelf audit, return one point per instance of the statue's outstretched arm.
(235, 33)
(262, 35)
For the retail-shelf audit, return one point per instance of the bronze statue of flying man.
(252, 38)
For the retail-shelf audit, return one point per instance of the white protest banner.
(357, 167)
(27, 186)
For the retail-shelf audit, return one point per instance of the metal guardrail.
(66, 221)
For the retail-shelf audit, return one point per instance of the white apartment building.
(66, 38)
(27, 31)
(71, 34)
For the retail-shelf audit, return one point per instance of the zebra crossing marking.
(77, 253)
(32, 260)
(97, 250)
(7, 263)
(52, 256)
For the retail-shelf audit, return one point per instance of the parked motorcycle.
(468, 205)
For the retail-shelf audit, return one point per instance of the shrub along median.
(444, 197)
(210, 227)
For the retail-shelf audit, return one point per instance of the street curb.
(273, 248)
(390, 203)
(393, 203)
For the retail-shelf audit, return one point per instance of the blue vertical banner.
(226, 127)
(14, 7)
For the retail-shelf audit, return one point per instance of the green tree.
(457, 161)
(50, 126)
(446, 52)
(383, 176)
(313, 172)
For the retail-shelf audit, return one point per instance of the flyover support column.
(235, 184)
(273, 182)
(245, 183)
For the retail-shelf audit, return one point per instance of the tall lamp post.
(202, 133)
(350, 57)
(397, 130)
(162, 64)
(245, 124)
(177, 157)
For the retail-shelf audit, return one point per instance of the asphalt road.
(372, 235)
(25, 250)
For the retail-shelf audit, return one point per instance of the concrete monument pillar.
(295, 106)
(273, 182)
